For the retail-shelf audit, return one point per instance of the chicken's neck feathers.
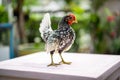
(63, 25)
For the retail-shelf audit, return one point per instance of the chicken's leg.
(63, 62)
(52, 62)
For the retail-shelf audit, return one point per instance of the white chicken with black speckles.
(59, 40)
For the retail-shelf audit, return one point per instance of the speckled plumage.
(59, 40)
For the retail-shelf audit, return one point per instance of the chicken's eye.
(70, 17)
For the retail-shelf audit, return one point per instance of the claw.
(53, 64)
(63, 62)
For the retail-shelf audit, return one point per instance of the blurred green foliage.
(103, 30)
(99, 28)
(3, 15)
(96, 4)
(3, 19)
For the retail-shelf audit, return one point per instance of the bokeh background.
(97, 30)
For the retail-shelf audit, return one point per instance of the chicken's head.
(70, 19)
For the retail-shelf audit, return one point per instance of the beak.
(75, 21)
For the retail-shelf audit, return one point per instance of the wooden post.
(20, 21)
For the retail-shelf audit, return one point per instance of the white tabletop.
(83, 67)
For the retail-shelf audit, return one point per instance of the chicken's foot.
(64, 62)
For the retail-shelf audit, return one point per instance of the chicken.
(59, 40)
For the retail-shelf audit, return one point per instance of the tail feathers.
(45, 27)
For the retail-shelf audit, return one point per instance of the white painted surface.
(83, 67)
(4, 53)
